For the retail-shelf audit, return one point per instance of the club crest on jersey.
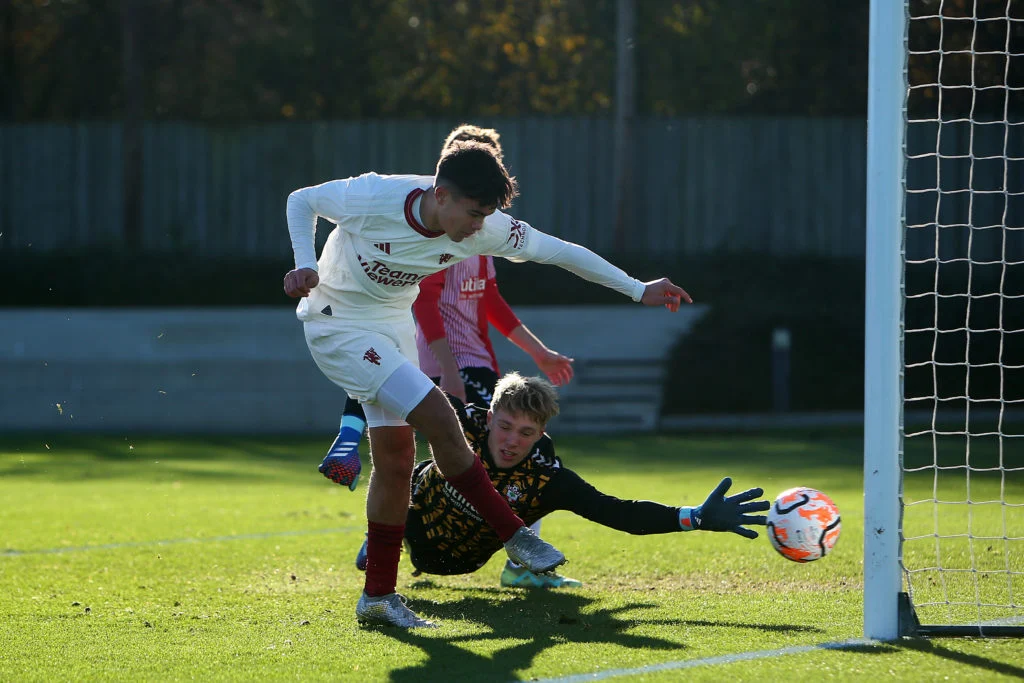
(516, 235)
(445, 258)
(371, 356)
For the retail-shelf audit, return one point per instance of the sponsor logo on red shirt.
(472, 288)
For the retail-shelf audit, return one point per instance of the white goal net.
(962, 493)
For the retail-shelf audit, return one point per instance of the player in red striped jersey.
(455, 307)
(453, 312)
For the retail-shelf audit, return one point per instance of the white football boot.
(389, 610)
(533, 552)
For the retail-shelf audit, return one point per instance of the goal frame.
(888, 610)
(883, 334)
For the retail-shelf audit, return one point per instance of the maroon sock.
(476, 487)
(383, 549)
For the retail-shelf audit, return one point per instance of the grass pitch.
(153, 558)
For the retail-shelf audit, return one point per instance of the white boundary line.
(174, 541)
(709, 661)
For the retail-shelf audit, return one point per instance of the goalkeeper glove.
(342, 465)
(719, 513)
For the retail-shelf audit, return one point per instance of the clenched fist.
(298, 282)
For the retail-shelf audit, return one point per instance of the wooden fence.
(779, 186)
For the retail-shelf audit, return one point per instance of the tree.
(974, 53)
(264, 60)
(753, 57)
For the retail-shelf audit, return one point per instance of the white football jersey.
(373, 263)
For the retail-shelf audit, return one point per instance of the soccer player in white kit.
(393, 231)
(453, 312)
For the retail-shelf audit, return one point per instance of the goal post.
(944, 320)
(883, 384)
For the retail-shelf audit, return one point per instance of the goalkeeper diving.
(445, 535)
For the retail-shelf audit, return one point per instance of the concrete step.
(612, 418)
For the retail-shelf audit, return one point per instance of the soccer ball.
(803, 524)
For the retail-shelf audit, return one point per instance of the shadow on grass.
(540, 620)
(835, 456)
(68, 456)
(771, 628)
(930, 647)
(537, 623)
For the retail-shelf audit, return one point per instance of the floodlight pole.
(883, 373)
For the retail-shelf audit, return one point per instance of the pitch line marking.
(709, 661)
(174, 541)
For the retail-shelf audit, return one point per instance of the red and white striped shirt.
(458, 303)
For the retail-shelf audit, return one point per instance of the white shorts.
(362, 357)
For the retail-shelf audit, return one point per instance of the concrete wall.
(248, 369)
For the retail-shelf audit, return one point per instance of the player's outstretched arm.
(451, 380)
(544, 248)
(664, 293)
(555, 366)
(719, 513)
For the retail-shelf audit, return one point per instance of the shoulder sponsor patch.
(516, 235)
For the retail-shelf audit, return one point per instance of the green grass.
(151, 558)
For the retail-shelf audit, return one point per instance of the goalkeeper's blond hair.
(533, 397)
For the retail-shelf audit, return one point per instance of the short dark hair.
(472, 169)
(467, 131)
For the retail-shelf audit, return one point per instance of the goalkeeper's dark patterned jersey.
(446, 535)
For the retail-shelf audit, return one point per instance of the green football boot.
(521, 577)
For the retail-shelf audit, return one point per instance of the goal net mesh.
(963, 321)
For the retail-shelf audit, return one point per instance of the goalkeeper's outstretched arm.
(568, 491)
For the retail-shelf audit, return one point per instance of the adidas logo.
(384, 246)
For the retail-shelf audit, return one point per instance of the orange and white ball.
(803, 524)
